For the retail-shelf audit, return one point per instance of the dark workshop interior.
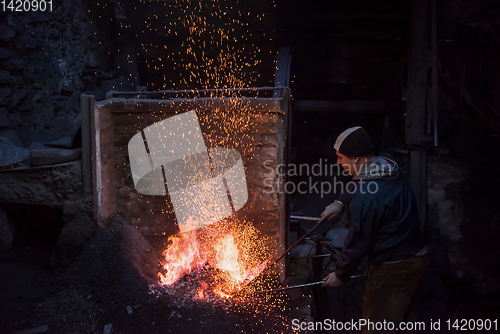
(82, 251)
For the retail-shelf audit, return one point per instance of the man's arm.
(363, 227)
(336, 207)
(344, 198)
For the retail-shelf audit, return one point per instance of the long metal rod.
(286, 101)
(313, 256)
(293, 287)
(301, 285)
(304, 218)
(271, 264)
(298, 241)
(212, 90)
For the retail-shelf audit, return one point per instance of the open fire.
(231, 251)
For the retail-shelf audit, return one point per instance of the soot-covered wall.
(47, 59)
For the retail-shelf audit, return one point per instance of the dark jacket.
(383, 225)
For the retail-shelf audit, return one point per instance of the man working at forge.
(383, 224)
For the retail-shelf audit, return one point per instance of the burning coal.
(181, 257)
(232, 252)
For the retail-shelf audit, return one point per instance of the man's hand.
(331, 211)
(332, 280)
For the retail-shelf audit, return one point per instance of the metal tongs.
(271, 264)
(300, 286)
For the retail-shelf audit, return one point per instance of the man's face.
(348, 163)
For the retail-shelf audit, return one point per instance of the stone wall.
(47, 185)
(463, 218)
(46, 60)
(252, 126)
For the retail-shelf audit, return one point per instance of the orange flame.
(228, 251)
(181, 257)
(227, 257)
(200, 294)
(237, 271)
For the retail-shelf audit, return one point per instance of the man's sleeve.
(344, 198)
(363, 226)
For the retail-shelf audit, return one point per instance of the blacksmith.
(383, 225)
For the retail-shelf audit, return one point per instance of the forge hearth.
(255, 127)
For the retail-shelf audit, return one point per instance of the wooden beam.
(176, 105)
(104, 167)
(418, 180)
(435, 69)
(417, 74)
(87, 110)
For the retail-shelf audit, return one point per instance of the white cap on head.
(343, 136)
(354, 142)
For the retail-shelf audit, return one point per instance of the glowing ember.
(232, 251)
(227, 257)
(200, 294)
(182, 256)
(235, 273)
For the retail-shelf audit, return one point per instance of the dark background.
(365, 63)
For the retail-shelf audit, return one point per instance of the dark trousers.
(392, 291)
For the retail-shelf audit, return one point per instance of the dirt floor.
(108, 288)
(104, 287)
